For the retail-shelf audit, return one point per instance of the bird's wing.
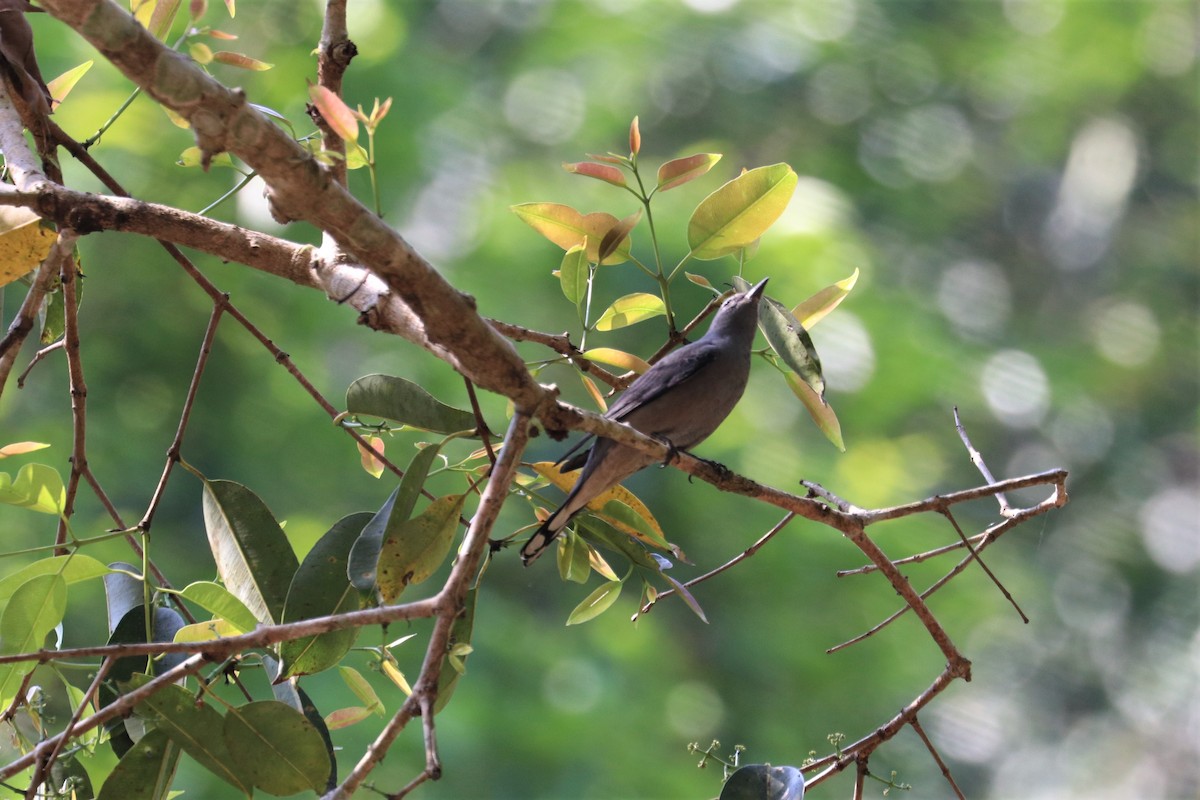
(676, 368)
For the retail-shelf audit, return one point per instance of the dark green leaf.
(145, 771)
(415, 549)
(398, 400)
(254, 558)
(596, 603)
(460, 641)
(277, 748)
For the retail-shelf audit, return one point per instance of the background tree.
(1016, 184)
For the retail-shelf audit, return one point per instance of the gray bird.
(682, 399)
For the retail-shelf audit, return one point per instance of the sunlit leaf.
(370, 464)
(599, 505)
(603, 172)
(602, 568)
(219, 601)
(37, 487)
(243, 61)
(573, 274)
(617, 358)
(200, 53)
(207, 631)
(21, 448)
(335, 112)
(164, 15)
(396, 676)
(739, 212)
(61, 86)
(635, 138)
(345, 717)
(567, 228)
(24, 242)
(821, 412)
(815, 308)
(630, 310)
(681, 170)
(194, 157)
(700, 280)
(73, 568)
(594, 392)
(596, 603)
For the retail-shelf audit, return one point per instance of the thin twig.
(37, 357)
(44, 766)
(977, 460)
(975, 554)
(916, 726)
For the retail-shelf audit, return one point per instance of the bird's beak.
(756, 290)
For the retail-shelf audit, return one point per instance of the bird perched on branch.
(682, 399)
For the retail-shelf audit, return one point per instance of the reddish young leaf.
(681, 170)
(335, 112)
(240, 60)
(602, 172)
(567, 228)
(635, 138)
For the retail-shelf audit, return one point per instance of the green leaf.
(219, 601)
(362, 689)
(37, 487)
(788, 338)
(573, 559)
(622, 515)
(739, 212)
(364, 554)
(459, 647)
(61, 86)
(567, 228)
(72, 568)
(603, 172)
(820, 411)
(700, 280)
(402, 401)
(35, 609)
(630, 310)
(320, 587)
(679, 171)
(254, 558)
(146, 770)
(596, 603)
(277, 748)
(573, 274)
(815, 308)
(197, 729)
(414, 550)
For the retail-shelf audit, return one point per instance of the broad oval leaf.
(219, 601)
(320, 587)
(815, 308)
(364, 554)
(567, 228)
(145, 771)
(596, 603)
(33, 611)
(602, 172)
(573, 274)
(37, 487)
(402, 401)
(630, 310)
(739, 212)
(197, 729)
(254, 558)
(617, 358)
(72, 568)
(414, 550)
(764, 782)
(277, 748)
(345, 717)
(820, 411)
(679, 171)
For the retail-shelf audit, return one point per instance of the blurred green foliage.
(1017, 183)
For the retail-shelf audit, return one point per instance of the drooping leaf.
(594, 392)
(788, 338)
(24, 242)
(146, 770)
(573, 559)
(459, 648)
(815, 308)
(686, 597)
(630, 310)
(415, 549)
(123, 591)
(596, 603)
(34, 610)
(820, 411)
(254, 558)
(362, 689)
(618, 236)
(566, 227)
(335, 112)
(700, 280)
(627, 506)
(368, 455)
(162, 17)
(277, 748)
(764, 782)
(364, 554)
(403, 401)
(321, 587)
(197, 728)
(37, 487)
(679, 171)
(61, 86)
(219, 601)
(735, 215)
(617, 358)
(602, 172)
(573, 274)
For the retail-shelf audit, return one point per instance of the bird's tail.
(543, 537)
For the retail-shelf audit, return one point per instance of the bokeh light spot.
(694, 709)
(545, 105)
(572, 685)
(1124, 332)
(975, 297)
(1016, 388)
(1170, 526)
(847, 355)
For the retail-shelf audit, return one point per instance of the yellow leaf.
(21, 448)
(373, 466)
(565, 481)
(24, 242)
(617, 358)
(590, 385)
(61, 86)
(397, 677)
(815, 308)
